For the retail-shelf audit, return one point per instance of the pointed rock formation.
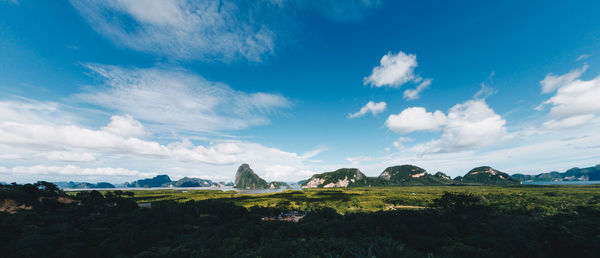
(245, 178)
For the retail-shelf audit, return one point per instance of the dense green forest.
(40, 220)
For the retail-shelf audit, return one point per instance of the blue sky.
(118, 90)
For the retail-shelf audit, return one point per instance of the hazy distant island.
(83, 185)
(165, 181)
(574, 174)
(157, 181)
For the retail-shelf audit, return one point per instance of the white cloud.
(179, 99)
(67, 156)
(54, 136)
(474, 135)
(412, 94)
(575, 101)
(71, 170)
(467, 126)
(415, 119)
(41, 144)
(373, 107)
(552, 82)
(393, 70)
(576, 147)
(576, 98)
(125, 126)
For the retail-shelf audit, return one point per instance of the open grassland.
(541, 200)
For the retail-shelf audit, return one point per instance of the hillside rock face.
(442, 175)
(410, 175)
(343, 177)
(398, 174)
(245, 178)
(488, 175)
(278, 185)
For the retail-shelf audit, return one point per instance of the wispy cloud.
(208, 30)
(582, 57)
(15, 2)
(484, 92)
(412, 94)
(552, 82)
(374, 108)
(179, 99)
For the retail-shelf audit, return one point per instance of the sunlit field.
(542, 200)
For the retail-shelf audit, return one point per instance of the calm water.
(561, 183)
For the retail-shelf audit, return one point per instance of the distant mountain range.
(406, 175)
(574, 174)
(82, 185)
(157, 181)
(165, 181)
(403, 175)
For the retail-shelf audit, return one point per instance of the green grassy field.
(542, 200)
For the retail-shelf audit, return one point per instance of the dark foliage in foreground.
(110, 225)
